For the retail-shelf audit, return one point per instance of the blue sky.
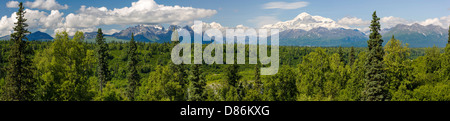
(245, 12)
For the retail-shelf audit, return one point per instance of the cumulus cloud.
(111, 31)
(87, 19)
(12, 4)
(140, 12)
(353, 21)
(39, 4)
(391, 21)
(46, 5)
(285, 5)
(7, 24)
(363, 25)
(442, 21)
(36, 19)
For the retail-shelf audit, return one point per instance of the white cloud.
(111, 31)
(89, 18)
(12, 4)
(140, 12)
(36, 19)
(7, 24)
(43, 20)
(353, 21)
(443, 21)
(46, 5)
(285, 5)
(391, 21)
(264, 20)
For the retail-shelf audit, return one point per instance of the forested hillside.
(78, 69)
(66, 69)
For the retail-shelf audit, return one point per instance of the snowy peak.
(429, 29)
(302, 15)
(305, 22)
(417, 35)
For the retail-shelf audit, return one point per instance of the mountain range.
(35, 36)
(303, 30)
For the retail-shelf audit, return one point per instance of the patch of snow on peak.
(305, 22)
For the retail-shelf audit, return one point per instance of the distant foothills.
(314, 34)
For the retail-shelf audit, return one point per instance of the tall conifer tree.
(102, 56)
(351, 58)
(375, 77)
(133, 75)
(19, 85)
(197, 83)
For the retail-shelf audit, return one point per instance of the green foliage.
(110, 93)
(397, 62)
(64, 69)
(354, 87)
(282, 87)
(161, 85)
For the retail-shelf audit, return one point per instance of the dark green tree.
(375, 78)
(19, 85)
(445, 73)
(197, 84)
(341, 54)
(258, 74)
(180, 77)
(1, 55)
(351, 58)
(133, 74)
(232, 75)
(102, 56)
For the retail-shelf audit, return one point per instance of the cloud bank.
(39, 4)
(89, 18)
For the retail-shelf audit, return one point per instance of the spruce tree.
(445, 74)
(258, 74)
(375, 77)
(1, 55)
(341, 54)
(133, 75)
(232, 75)
(19, 85)
(102, 56)
(197, 84)
(351, 58)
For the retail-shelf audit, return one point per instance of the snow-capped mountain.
(308, 30)
(417, 35)
(305, 22)
(303, 30)
(323, 37)
(147, 33)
